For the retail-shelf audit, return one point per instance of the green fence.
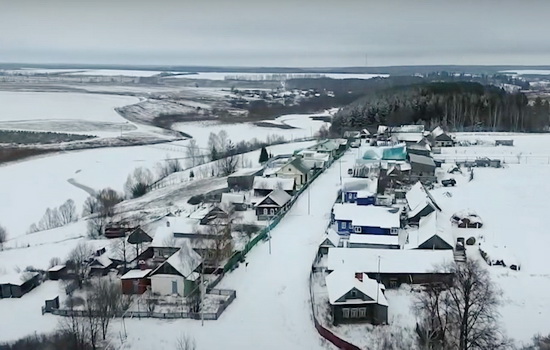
(239, 256)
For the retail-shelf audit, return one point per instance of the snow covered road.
(272, 309)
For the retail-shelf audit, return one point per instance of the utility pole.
(201, 289)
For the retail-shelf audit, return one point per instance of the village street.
(272, 309)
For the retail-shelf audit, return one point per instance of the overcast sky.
(276, 32)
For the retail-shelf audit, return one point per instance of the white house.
(178, 274)
(295, 169)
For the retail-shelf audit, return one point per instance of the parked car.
(448, 182)
(355, 144)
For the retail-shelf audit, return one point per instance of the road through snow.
(272, 309)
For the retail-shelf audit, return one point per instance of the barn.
(136, 281)
(19, 284)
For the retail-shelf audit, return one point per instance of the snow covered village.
(197, 175)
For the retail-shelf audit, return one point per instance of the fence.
(323, 332)
(240, 255)
(164, 315)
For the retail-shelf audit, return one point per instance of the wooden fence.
(164, 315)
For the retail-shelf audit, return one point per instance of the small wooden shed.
(57, 272)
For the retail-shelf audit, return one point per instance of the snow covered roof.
(17, 279)
(408, 136)
(417, 198)
(56, 268)
(232, 198)
(133, 274)
(437, 131)
(374, 239)
(382, 129)
(367, 215)
(358, 183)
(299, 165)
(102, 261)
(364, 194)
(416, 158)
(332, 237)
(280, 197)
(185, 260)
(185, 225)
(273, 183)
(412, 128)
(246, 172)
(391, 260)
(428, 227)
(340, 282)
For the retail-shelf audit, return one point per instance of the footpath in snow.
(272, 309)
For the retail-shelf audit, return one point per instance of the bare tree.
(193, 153)
(92, 323)
(75, 327)
(55, 261)
(107, 199)
(79, 258)
(91, 206)
(96, 226)
(539, 343)
(3, 236)
(121, 250)
(185, 342)
(167, 167)
(463, 313)
(67, 212)
(105, 302)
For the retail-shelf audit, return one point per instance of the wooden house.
(439, 138)
(350, 218)
(272, 204)
(100, 265)
(18, 284)
(393, 266)
(178, 275)
(430, 235)
(265, 185)
(356, 298)
(422, 166)
(330, 240)
(295, 169)
(136, 281)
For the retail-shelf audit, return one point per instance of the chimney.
(359, 276)
(142, 265)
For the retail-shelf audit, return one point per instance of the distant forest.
(456, 106)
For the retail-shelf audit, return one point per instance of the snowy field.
(302, 126)
(114, 72)
(64, 112)
(528, 71)
(39, 183)
(276, 76)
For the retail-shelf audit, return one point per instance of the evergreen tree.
(264, 157)
(214, 154)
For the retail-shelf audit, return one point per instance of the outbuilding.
(57, 272)
(136, 281)
(19, 284)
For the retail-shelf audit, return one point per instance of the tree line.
(456, 106)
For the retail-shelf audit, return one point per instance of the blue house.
(366, 219)
(359, 197)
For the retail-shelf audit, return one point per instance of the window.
(357, 229)
(394, 230)
(393, 283)
(353, 294)
(363, 312)
(272, 211)
(354, 313)
(344, 225)
(265, 211)
(345, 313)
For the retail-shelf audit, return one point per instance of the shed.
(100, 265)
(57, 272)
(234, 200)
(243, 179)
(17, 285)
(422, 165)
(51, 304)
(136, 281)
(504, 142)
